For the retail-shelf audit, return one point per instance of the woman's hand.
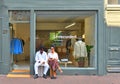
(43, 62)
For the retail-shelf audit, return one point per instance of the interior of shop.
(62, 28)
(58, 28)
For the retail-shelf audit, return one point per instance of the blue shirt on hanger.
(16, 46)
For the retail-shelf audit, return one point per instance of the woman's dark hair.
(53, 45)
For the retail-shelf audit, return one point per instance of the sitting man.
(41, 59)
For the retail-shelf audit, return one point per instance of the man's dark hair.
(41, 48)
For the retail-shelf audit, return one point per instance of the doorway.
(20, 41)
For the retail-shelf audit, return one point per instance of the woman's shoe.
(53, 77)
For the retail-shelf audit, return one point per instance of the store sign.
(66, 37)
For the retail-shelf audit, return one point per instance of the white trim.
(19, 21)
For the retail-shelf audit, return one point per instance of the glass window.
(19, 16)
(72, 33)
(113, 1)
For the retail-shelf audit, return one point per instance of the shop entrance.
(62, 29)
(20, 41)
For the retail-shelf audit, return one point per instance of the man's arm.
(37, 58)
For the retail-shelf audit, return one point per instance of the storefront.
(59, 23)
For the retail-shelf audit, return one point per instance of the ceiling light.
(70, 25)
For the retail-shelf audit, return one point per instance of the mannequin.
(80, 51)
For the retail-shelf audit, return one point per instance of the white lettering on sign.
(65, 37)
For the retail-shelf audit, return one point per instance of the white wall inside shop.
(90, 30)
(90, 36)
(22, 31)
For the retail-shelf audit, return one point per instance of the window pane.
(112, 1)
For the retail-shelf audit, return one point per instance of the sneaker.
(44, 76)
(36, 76)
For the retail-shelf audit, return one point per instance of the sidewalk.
(111, 78)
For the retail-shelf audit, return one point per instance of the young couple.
(49, 60)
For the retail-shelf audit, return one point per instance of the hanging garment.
(23, 42)
(16, 46)
(68, 46)
(80, 49)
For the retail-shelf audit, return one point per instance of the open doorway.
(20, 40)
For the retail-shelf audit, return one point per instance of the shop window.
(62, 29)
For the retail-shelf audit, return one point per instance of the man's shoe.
(44, 76)
(36, 76)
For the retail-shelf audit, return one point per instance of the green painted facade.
(50, 5)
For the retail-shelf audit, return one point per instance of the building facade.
(113, 30)
(47, 22)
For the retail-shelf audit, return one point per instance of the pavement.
(110, 78)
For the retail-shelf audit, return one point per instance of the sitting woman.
(53, 63)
